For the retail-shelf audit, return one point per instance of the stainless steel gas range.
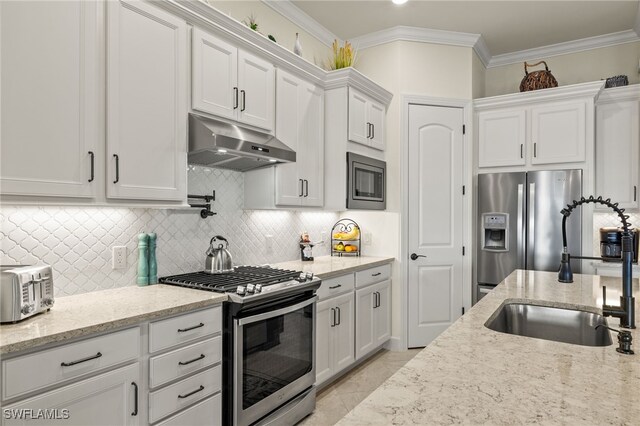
(268, 342)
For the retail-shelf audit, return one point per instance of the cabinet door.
(215, 75)
(558, 133)
(501, 138)
(146, 102)
(107, 399)
(311, 165)
(382, 313)
(344, 332)
(324, 340)
(365, 337)
(617, 152)
(49, 103)
(376, 118)
(358, 123)
(288, 117)
(256, 80)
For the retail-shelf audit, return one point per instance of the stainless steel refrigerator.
(520, 225)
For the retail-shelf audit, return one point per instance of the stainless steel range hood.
(214, 143)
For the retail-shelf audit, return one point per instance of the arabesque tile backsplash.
(77, 241)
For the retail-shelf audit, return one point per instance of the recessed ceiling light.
(399, 1)
(222, 151)
(272, 160)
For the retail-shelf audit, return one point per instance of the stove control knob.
(302, 277)
(258, 288)
(309, 276)
(27, 309)
(241, 290)
(250, 288)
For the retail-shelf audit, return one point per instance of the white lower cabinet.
(335, 336)
(108, 399)
(205, 413)
(373, 317)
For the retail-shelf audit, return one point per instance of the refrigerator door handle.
(531, 237)
(520, 231)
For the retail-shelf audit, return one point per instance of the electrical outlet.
(323, 236)
(366, 240)
(119, 257)
(268, 243)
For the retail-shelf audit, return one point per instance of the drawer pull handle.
(193, 360)
(135, 399)
(335, 286)
(182, 330)
(200, 389)
(68, 364)
(376, 274)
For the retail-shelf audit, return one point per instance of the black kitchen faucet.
(626, 310)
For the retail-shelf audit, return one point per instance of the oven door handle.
(276, 313)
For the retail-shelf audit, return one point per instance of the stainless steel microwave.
(366, 183)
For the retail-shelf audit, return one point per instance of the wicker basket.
(537, 79)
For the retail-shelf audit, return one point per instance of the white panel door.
(358, 122)
(311, 164)
(344, 337)
(215, 75)
(324, 340)
(146, 102)
(365, 321)
(435, 220)
(107, 399)
(256, 80)
(382, 313)
(501, 138)
(558, 133)
(49, 103)
(289, 114)
(617, 152)
(376, 114)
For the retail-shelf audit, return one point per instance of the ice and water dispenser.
(495, 235)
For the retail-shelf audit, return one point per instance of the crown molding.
(353, 78)
(304, 21)
(619, 94)
(590, 90)
(424, 35)
(482, 50)
(628, 36)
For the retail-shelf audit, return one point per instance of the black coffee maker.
(611, 244)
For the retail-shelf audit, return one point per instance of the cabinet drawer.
(373, 275)
(185, 328)
(172, 365)
(36, 371)
(335, 286)
(179, 395)
(205, 413)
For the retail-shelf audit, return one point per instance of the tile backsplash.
(77, 241)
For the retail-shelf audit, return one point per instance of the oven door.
(274, 358)
(366, 182)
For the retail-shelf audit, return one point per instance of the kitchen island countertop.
(473, 375)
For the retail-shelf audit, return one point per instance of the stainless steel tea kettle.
(218, 258)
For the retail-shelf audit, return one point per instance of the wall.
(77, 241)
(271, 22)
(478, 77)
(406, 68)
(591, 65)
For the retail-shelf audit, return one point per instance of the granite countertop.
(99, 311)
(471, 374)
(326, 267)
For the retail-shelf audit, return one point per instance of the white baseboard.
(395, 344)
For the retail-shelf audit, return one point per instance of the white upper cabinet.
(550, 126)
(618, 145)
(50, 98)
(501, 138)
(312, 146)
(232, 83)
(558, 133)
(146, 102)
(366, 120)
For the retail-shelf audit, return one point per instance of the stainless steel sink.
(557, 324)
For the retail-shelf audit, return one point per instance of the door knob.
(416, 256)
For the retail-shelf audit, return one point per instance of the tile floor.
(340, 397)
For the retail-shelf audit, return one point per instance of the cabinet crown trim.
(582, 90)
(616, 94)
(351, 77)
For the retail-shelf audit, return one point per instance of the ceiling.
(506, 26)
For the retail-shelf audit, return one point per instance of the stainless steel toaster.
(24, 291)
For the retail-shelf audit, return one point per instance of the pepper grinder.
(153, 264)
(143, 259)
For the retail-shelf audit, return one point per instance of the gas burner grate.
(222, 283)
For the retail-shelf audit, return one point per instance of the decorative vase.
(297, 47)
